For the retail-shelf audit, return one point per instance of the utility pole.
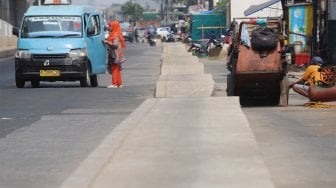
(164, 11)
(166, 14)
(314, 41)
(168, 11)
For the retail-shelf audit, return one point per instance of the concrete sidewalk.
(177, 142)
(188, 143)
(7, 51)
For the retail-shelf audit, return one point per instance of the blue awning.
(255, 8)
(207, 12)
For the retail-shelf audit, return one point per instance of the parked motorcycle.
(188, 39)
(216, 43)
(199, 47)
(170, 37)
(202, 47)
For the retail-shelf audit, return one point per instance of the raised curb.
(182, 75)
(188, 85)
(7, 52)
(179, 66)
(98, 159)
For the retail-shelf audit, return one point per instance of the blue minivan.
(60, 43)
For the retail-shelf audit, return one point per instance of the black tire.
(230, 85)
(244, 100)
(35, 83)
(190, 49)
(94, 80)
(20, 83)
(85, 81)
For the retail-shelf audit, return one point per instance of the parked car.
(163, 32)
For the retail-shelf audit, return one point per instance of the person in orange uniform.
(117, 45)
(311, 77)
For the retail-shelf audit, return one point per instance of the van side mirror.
(15, 31)
(91, 31)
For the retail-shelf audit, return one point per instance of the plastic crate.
(302, 59)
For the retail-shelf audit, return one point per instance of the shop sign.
(299, 24)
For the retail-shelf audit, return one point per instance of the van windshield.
(52, 27)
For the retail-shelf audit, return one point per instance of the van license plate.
(50, 73)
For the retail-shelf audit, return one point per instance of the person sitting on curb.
(310, 77)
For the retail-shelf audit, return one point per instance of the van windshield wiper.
(54, 35)
(70, 35)
(44, 36)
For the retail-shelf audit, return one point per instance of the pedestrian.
(173, 28)
(136, 34)
(116, 45)
(311, 77)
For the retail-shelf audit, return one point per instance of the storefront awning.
(255, 8)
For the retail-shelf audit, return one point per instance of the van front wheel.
(84, 81)
(20, 83)
(94, 80)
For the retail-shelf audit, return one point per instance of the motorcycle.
(202, 47)
(151, 40)
(199, 47)
(170, 37)
(188, 40)
(216, 43)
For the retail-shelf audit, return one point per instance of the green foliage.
(132, 11)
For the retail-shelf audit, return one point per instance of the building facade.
(11, 13)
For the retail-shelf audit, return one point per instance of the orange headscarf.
(116, 32)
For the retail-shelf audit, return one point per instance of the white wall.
(239, 6)
(6, 37)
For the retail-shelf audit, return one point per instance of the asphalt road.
(46, 132)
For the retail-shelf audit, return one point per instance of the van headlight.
(77, 53)
(23, 54)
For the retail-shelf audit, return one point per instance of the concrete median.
(182, 138)
(181, 65)
(187, 85)
(182, 75)
(187, 142)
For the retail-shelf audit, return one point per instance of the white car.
(162, 32)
